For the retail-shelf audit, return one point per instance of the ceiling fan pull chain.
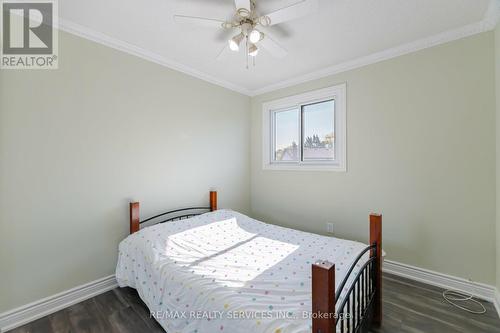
(246, 48)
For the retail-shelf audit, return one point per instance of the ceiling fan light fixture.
(253, 50)
(234, 43)
(256, 36)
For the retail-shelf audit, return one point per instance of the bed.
(210, 270)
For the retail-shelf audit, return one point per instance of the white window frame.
(338, 94)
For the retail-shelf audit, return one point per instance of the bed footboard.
(361, 306)
(323, 297)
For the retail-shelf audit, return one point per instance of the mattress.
(226, 272)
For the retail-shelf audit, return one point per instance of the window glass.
(318, 131)
(286, 135)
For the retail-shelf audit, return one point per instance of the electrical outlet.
(329, 228)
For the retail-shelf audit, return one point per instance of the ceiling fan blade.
(201, 21)
(224, 35)
(243, 4)
(224, 53)
(289, 13)
(272, 47)
(279, 31)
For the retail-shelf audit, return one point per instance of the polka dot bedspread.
(226, 272)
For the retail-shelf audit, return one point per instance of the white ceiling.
(340, 33)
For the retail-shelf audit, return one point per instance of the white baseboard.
(480, 290)
(30, 312)
(43, 307)
(497, 301)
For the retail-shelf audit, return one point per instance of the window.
(306, 131)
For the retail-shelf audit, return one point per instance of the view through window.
(286, 135)
(305, 133)
(318, 127)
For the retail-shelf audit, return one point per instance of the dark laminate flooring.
(408, 307)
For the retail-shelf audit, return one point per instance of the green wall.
(497, 90)
(420, 150)
(78, 143)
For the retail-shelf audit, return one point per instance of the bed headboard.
(171, 215)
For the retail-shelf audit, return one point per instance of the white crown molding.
(492, 15)
(43, 307)
(483, 291)
(98, 37)
(488, 23)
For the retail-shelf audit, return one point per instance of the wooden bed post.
(213, 200)
(134, 217)
(323, 297)
(376, 238)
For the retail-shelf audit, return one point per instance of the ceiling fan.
(246, 22)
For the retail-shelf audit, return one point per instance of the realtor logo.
(29, 34)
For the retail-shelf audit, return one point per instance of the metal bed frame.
(361, 306)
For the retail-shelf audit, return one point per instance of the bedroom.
(350, 108)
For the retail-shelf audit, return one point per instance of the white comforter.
(226, 272)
